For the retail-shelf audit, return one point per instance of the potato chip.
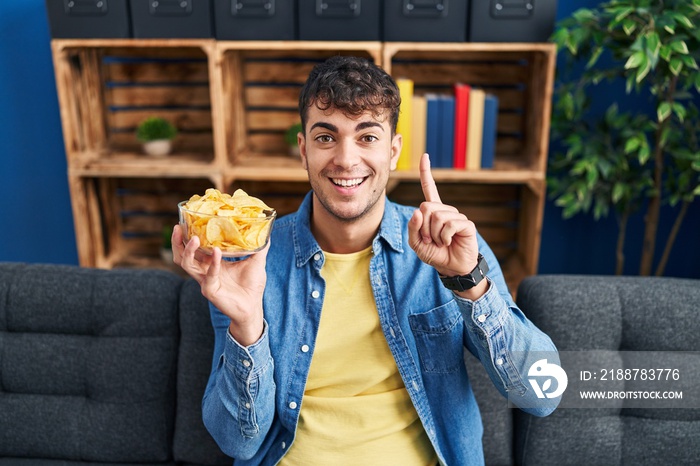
(236, 223)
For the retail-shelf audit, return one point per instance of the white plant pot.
(158, 148)
(166, 255)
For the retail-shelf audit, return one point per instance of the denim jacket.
(254, 394)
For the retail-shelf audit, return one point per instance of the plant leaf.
(594, 57)
(599, 210)
(689, 62)
(676, 65)
(570, 210)
(653, 42)
(682, 19)
(631, 145)
(623, 13)
(567, 104)
(629, 25)
(643, 70)
(679, 110)
(663, 111)
(591, 177)
(618, 192)
(560, 37)
(583, 14)
(665, 53)
(644, 154)
(564, 200)
(679, 46)
(635, 60)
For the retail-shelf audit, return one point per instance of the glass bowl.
(235, 235)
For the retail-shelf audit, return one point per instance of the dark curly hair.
(352, 85)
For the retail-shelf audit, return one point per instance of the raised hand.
(440, 235)
(235, 288)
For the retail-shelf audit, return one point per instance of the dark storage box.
(339, 20)
(86, 19)
(171, 19)
(512, 20)
(426, 20)
(255, 19)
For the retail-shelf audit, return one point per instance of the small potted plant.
(156, 134)
(290, 136)
(166, 251)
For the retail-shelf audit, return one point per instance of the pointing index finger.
(426, 180)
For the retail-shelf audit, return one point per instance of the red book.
(461, 91)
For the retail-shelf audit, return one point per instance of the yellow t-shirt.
(355, 409)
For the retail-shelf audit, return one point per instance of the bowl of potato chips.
(237, 223)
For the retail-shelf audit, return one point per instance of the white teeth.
(347, 183)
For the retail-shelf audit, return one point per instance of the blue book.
(488, 143)
(432, 130)
(447, 128)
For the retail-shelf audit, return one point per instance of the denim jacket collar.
(305, 245)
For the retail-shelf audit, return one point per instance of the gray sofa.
(109, 367)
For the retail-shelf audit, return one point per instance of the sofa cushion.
(192, 442)
(87, 363)
(584, 313)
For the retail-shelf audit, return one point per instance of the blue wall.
(36, 223)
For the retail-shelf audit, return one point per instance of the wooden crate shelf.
(232, 102)
(106, 87)
(119, 221)
(520, 75)
(260, 83)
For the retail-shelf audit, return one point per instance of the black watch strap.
(465, 282)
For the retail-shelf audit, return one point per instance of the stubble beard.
(372, 201)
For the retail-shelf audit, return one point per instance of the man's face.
(348, 160)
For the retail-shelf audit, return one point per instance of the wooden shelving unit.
(507, 201)
(232, 102)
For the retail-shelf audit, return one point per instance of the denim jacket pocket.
(439, 338)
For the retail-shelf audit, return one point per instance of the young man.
(340, 343)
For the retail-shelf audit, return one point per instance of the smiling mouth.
(348, 183)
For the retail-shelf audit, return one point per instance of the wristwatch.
(466, 282)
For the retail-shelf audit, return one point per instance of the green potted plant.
(166, 247)
(156, 134)
(290, 137)
(627, 160)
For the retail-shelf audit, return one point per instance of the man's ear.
(301, 142)
(396, 144)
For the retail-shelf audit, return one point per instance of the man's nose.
(346, 155)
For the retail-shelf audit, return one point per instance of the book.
(475, 128)
(418, 130)
(461, 92)
(447, 125)
(432, 127)
(488, 144)
(403, 127)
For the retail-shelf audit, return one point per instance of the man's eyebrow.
(368, 124)
(360, 126)
(325, 125)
